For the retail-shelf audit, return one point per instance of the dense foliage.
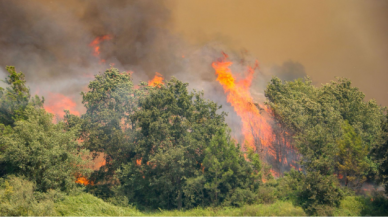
(31, 145)
(334, 130)
(165, 147)
(182, 155)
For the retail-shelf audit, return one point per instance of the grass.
(363, 206)
(86, 204)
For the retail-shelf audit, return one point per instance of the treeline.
(168, 148)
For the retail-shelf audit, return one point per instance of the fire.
(56, 103)
(157, 80)
(259, 128)
(95, 44)
(255, 126)
(83, 180)
(274, 173)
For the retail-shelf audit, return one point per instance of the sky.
(330, 38)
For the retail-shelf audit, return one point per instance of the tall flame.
(255, 127)
(157, 80)
(260, 132)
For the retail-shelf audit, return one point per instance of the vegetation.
(168, 151)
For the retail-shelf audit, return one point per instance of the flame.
(259, 128)
(95, 44)
(56, 103)
(83, 180)
(254, 124)
(274, 173)
(157, 80)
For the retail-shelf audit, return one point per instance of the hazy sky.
(330, 38)
(49, 40)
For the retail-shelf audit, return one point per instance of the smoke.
(49, 41)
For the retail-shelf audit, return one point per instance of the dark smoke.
(49, 42)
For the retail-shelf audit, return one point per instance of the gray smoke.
(49, 42)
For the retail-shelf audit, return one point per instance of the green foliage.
(363, 206)
(230, 179)
(109, 103)
(87, 205)
(353, 161)
(15, 98)
(315, 116)
(380, 153)
(17, 197)
(43, 152)
(319, 194)
(183, 157)
(172, 129)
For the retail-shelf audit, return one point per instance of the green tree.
(380, 153)
(230, 178)
(14, 98)
(184, 156)
(106, 125)
(172, 128)
(352, 157)
(315, 116)
(319, 194)
(43, 152)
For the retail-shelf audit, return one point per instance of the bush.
(17, 197)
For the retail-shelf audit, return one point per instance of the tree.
(43, 152)
(316, 115)
(353, 161)
(319, 194)
(15, 98)
(230, 178)
(380, 153)
(106, 124)
(172, 127)
(13, 102)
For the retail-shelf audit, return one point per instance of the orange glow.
(274, 173)
(83, 180)
(56, 103)
(340, 176)
(138, 162)
(259, 128)
(255, 127)
(157, 80)
(95, 44)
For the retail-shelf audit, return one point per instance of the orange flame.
(95, 44)
(254, 124)
(157, 80)
(83, 180)
(56, 103)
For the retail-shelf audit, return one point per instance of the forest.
(165, 149)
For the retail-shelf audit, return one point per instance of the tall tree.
(184, 155)
(316, 116)
(109, 104)
(13, 101)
